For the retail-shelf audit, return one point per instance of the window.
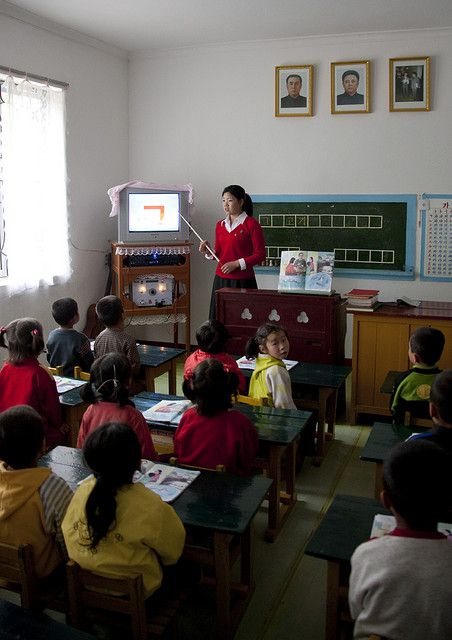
(33, 199)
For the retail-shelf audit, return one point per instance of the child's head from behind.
(441, 399)
(270, 339)
(65, 311)
(109, 310)
(21, 436)
(113, 453)
(110, 378)
(211, 336)
(211, 387)
(426, 346)
(416, 476)
(23, 339)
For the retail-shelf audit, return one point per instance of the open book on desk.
(383, 524)
(167, 411)
(166, 481)
(250, 363)
(67, 384)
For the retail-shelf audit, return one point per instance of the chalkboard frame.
(407, 273)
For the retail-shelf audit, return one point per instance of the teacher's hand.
(229, 267)
(203, 246)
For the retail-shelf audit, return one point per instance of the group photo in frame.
(350, 86)
(293, 90)
(409, 84)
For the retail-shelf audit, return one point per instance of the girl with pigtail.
(24, 381)
(113, 526)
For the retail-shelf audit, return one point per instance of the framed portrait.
(293, 90)
(350, 86)
(409, 84)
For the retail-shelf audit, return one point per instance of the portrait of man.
(293, 99)
(350, 83)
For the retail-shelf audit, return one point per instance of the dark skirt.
(220, 283)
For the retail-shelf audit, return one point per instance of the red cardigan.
(245, 241)
(228, 362)
(228, 438)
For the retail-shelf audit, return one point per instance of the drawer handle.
(246, 315)
(274, 316)
(302, 317)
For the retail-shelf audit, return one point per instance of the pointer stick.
(214, 255)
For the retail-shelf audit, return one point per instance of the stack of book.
(362, 300)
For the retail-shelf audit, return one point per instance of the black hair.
(211, 387)
(441, 395)
(109, 310)
(294, 75)
(113, 453)
(110, 376)
(252, 346)
(63, 310)
(239, 192)
(428, 344)
(23, 339)
(211, 336)
(21, 436)
(416, 476)
(350, 72)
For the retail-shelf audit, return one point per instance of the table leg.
(280, 504)
(221, 544)
(332, 601)
(72, 415)
(172, 378)
(378, 486)
(149, 379)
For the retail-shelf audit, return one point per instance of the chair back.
(253, 402)
(17, 571)
(81, 375)
(174, 461)
(56, 371)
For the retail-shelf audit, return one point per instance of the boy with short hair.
(67, 347)
(33, 500)
(440, 412)
(110, 312)
(400, 583)
(412, 388)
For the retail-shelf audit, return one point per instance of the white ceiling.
(140, 25)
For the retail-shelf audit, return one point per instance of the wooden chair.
(17, 571)
(56, 371)
(81, 375)
(253, 402)
(101, 597)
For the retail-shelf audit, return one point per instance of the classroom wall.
(97, 152)
(206, 116)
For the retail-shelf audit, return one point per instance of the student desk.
(159, 360)
(346, 524)
(279, 431)
(316, 387)
(72, 409)
(219, 504)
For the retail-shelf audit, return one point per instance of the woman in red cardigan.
(239, 244)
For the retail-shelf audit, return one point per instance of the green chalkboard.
(368, 234)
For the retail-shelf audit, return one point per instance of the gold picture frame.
(409, 84)
(350, 86)
(293, 90)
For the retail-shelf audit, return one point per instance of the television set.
(153, 215)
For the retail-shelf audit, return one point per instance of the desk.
(346, 524)
(157, 361)
(318, 386)
(72, 409)
(217, 503)
(17, 623)
(279, 431)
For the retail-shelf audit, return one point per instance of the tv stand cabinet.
(123, 275)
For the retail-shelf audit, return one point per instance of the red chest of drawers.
(315, 323)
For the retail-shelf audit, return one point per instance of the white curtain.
(34, 184)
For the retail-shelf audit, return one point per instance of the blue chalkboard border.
(430, 196)
(410, 238)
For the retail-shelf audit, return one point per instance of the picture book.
(383, 524)
(250, 363)
(166, 481)
(67, 384)
(167, 411)
(306, 271)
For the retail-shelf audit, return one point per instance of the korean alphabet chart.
(436, 238)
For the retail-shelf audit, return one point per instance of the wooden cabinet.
(380, 344)
(315, 323)
(131, 262)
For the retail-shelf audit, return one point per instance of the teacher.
(239, 244)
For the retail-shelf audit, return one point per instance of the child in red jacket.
(212, 433)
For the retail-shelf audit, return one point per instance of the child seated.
(412, 388)
(270, 378)
(113, 526)
(400, 583)
(24, 381)
(211, 337)
(33, 500)
(67, 347)
(440, 412)
(108, 395)
(212, 433)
